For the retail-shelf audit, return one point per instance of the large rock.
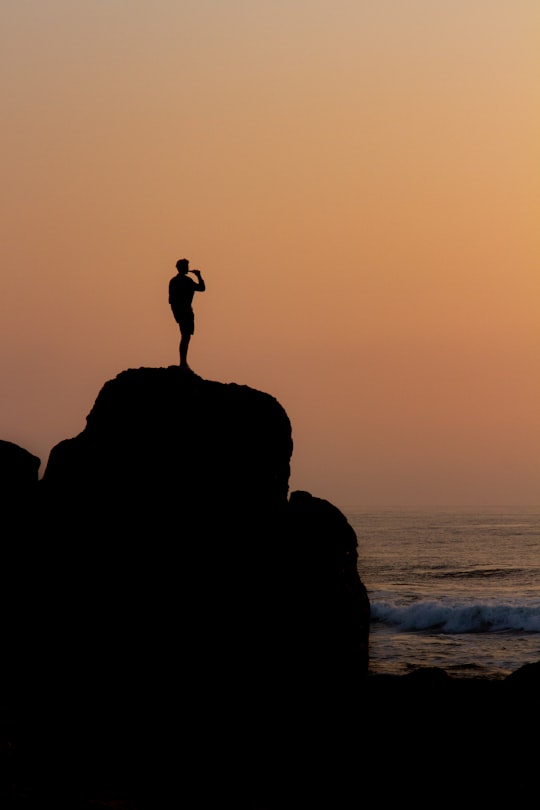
(164, 433)
(181, 584)
(191, 633)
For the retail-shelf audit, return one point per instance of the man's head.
(182, 265)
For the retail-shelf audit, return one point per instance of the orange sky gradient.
(358, 183)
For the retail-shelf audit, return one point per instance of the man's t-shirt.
(181, 292)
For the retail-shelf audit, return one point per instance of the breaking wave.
(445, 617)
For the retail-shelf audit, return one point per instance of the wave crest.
(458, 618)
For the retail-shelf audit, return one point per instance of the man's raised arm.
(201, 286)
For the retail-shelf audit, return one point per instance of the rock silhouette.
(182, 630)
(185, 595)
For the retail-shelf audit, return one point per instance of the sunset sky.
(359, 183)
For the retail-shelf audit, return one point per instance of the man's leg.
(184, 344)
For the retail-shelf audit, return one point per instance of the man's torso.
(181, 291)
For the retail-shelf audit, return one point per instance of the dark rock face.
(18, 488)
(159, 432)
(18, 493)
(179, 629)
(325, 546)
(181, 586)
(18, 468)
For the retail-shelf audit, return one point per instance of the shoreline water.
(451, 587)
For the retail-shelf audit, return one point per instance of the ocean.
(456, 588)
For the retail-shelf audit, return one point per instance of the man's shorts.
(186, 320)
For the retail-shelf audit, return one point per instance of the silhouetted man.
(181, 290)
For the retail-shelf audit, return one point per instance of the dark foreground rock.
(436, 740)
(18, 536)
(189, 627)
(426, 741)
(185, 632)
